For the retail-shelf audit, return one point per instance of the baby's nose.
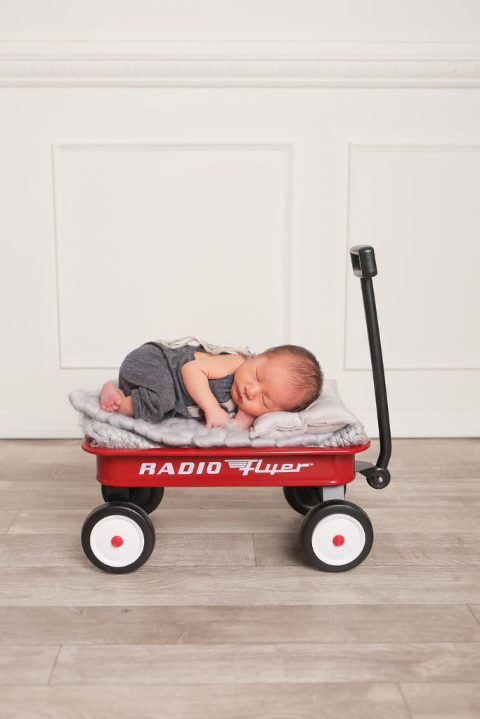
(251, 391)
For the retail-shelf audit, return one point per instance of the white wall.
(172, 168)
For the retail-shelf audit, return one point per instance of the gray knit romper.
(152, 376)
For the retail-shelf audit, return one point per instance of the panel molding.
(393, 147)
(239, 63)
(285, 148)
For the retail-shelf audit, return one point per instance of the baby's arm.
(196, 374)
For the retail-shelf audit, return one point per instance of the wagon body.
(225, 467)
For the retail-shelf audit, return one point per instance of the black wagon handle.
(365, 267)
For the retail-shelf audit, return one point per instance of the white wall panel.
(191, 236)
(418, 205)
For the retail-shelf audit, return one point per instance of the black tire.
(126, 523)
(336, 536)
(147, 498)
(303, 499)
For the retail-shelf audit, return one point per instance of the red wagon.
(336, 535)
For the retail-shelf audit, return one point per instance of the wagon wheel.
(336, 536)
(303, 499)
(118, 537)
(147, 498)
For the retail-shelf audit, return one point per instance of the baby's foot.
(111, 397)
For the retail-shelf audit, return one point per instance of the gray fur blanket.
(325, 423)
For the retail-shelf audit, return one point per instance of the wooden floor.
(227, 620)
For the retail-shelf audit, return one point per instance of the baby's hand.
(243, 420)
(215, 417)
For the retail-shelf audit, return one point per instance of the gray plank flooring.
(227, 619)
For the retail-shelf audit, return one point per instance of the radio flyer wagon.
(336, 535)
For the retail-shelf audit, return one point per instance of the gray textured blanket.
(325, 423)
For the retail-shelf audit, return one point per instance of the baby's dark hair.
(306, 373)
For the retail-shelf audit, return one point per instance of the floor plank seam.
(261, 645)
(49, 681)
(473, 614)
(228, 642)
(255, 558)
(284, 682)
(7, 531)
(404, 699)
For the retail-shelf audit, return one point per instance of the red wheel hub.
(338, 540)
(117, 541)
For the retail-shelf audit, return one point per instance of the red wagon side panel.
(225, 467)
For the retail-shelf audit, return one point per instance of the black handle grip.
(364, 266)
(363, 261)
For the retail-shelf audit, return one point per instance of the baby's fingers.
(219, 423)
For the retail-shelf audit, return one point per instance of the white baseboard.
(428, 423)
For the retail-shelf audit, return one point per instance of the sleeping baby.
(157, 382)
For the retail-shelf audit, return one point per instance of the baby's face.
(262, 384)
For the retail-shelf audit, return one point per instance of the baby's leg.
(111, 397)
(147, 383)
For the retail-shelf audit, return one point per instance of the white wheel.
(336, 536)
(118, 537)
(338, 539)
(117, 540)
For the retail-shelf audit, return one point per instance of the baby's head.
(285, 378)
